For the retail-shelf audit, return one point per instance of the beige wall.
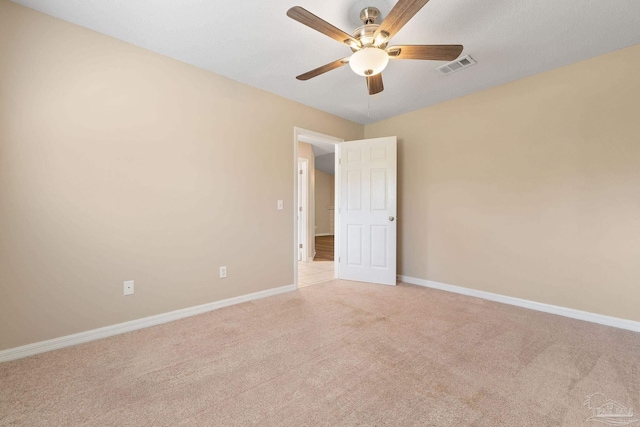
(117, 163)
(324, 190)
(530, 189)
(305, 151)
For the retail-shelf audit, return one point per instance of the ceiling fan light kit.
(369, 42)
(369, 61)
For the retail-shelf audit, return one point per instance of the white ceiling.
(254, 42)
(323, 152)
(326, 163)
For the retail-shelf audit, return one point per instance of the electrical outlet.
(128, 287)
(280, 205)
(223, 272)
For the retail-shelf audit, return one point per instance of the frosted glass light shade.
(369, 61)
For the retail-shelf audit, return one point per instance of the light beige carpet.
(340, 353)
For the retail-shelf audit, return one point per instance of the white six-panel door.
(367, 211)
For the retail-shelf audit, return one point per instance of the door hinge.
(338, 260)
(339, 161)
(300, 245)
(300, 208)
(300, 171)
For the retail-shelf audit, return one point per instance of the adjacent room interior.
(316, 206)
(460, 249)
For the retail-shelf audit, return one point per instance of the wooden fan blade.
(310, 20)
(321, 70)
(436, 52)
(374, 84)
(401, 13)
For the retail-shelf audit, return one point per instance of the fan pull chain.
(369, 107)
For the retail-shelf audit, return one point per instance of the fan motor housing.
(365, 35)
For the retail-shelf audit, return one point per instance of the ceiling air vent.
(458, 64)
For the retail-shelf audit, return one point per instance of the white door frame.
(300, 134)
(303, 202)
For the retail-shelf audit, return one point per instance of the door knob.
(391, 218)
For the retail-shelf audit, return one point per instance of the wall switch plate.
(280, 205)
(223, 272)
(128, 287)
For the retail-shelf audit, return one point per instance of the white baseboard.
(133, 325)
(323, 234)
(532, 305)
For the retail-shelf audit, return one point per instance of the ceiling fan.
(369, 42)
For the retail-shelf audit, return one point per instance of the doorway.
(315, 220)
(365, 210)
